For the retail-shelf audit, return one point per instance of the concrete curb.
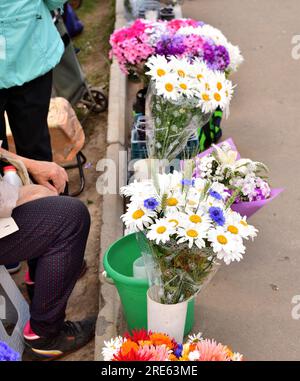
(110, 321)
(112, 227)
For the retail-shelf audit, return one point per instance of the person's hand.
(43, 172)
(29, 193)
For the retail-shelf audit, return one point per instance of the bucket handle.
(106, 279)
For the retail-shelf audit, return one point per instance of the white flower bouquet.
(244, 180)
(182, 96)
(184, 226)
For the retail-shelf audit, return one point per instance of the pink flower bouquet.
(184, 38)
(243, 179)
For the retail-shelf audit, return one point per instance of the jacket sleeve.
(54, 4)
(9, 195)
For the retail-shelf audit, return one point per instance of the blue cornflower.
(217, 215)
(8, 354)
(178, 350)
(215, 194)
(188, 182)
(151, 203)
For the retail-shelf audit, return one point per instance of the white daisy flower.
(221, 90)
(112, 347)
(137, 190)
(199, 71)
(161, 231)
(175, 218)
(159, 67)
(174, 202)
(180, 67)
(225, 245)
(185, 87)
(193, 234)
(167, 87)
(198, 218)
(195, 338)
(137, 217)
(245, 229)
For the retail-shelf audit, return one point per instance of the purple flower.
(215, 194)
(178, 350)
(172, 46)
(151, 203)
(259, 195)
(217, 215)
(8, 354)
(215, 56)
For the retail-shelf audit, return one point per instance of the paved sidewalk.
(248, 305)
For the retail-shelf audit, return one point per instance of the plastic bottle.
(11, 176)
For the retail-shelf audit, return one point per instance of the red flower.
(133, 356)
(138, 335)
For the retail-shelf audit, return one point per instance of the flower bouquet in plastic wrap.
(184, 227)
(244, 180)
(181, 98)
(144, 345)
(134, 44)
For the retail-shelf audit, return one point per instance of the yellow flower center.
(183, 86)
(173, 221)
(233, 229)
(217, 97)
(199, 77)
(138, 214)
(244, 223)
(219, 86)
(192, 233)
(195, 219)
(207, 87)
(161, 72)
(222, 239)
(205, 97)
(181, 73)
(161, 229)
(169, 87)
(172, 201)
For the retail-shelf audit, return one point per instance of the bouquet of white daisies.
(181, 98)
(184, 226)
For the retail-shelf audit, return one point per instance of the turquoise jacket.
(30, 44)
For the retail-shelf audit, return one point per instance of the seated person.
(53, 232)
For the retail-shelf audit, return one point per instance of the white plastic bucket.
(166, 318)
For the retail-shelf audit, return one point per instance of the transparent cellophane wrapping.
(180, 272)
(170, 124)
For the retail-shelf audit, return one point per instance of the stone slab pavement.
(249, 305)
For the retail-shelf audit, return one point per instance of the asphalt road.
(249, 305)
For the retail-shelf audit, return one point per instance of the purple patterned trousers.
(52, 237)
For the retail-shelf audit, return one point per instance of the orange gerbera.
(160, 339)
(128, 346)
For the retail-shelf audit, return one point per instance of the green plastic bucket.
(118, 264)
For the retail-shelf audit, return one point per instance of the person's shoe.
(13, 268)
(30, 284)
(73, 336)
